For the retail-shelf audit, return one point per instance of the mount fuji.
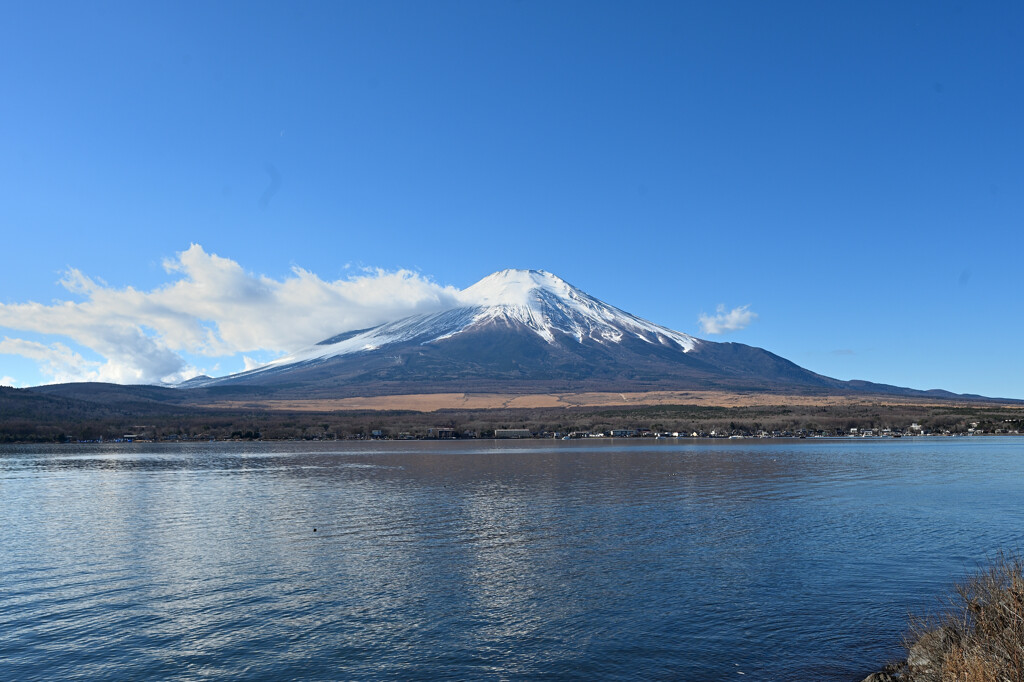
(526, 331)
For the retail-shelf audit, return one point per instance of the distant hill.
(527, 331)
(515, 333)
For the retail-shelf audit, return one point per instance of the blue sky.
(179, 177)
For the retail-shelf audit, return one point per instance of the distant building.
(512, 433)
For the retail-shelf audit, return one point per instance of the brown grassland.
(434, 402)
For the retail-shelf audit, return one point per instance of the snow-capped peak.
(548, 304)
(537, 300)
(515, 287)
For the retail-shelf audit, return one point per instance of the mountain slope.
(527, 300)
(525, 331)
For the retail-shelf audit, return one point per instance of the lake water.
(781, 560)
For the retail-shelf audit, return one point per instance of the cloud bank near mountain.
(212, 308)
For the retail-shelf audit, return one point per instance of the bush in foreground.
(981, 636)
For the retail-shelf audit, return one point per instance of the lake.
(697, 560)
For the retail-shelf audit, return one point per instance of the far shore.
(32, 416)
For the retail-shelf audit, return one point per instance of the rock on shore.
(924, 659)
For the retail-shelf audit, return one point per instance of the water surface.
(781, 560)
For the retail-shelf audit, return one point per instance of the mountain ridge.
(522, 331)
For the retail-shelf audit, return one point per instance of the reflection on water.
(684, 560)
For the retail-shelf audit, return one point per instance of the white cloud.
(56, 361)
(213, 307)
(249, 363)
(9, 381)
(724, 321)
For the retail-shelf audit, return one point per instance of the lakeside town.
(914, 430)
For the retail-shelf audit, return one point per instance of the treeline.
(47, 419)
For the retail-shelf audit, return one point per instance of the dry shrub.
(981, 637)
(960, 666)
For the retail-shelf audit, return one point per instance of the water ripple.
(485, 560)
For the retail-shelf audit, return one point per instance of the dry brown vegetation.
(433, 402)
(980, 637)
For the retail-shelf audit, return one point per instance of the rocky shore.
(979, 639)
(925, 659)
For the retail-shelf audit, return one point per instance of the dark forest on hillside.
(32, 417)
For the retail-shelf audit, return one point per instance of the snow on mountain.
(524, 331)
(532, 299)
(547, 304)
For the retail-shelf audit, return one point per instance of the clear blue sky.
(851, 171)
